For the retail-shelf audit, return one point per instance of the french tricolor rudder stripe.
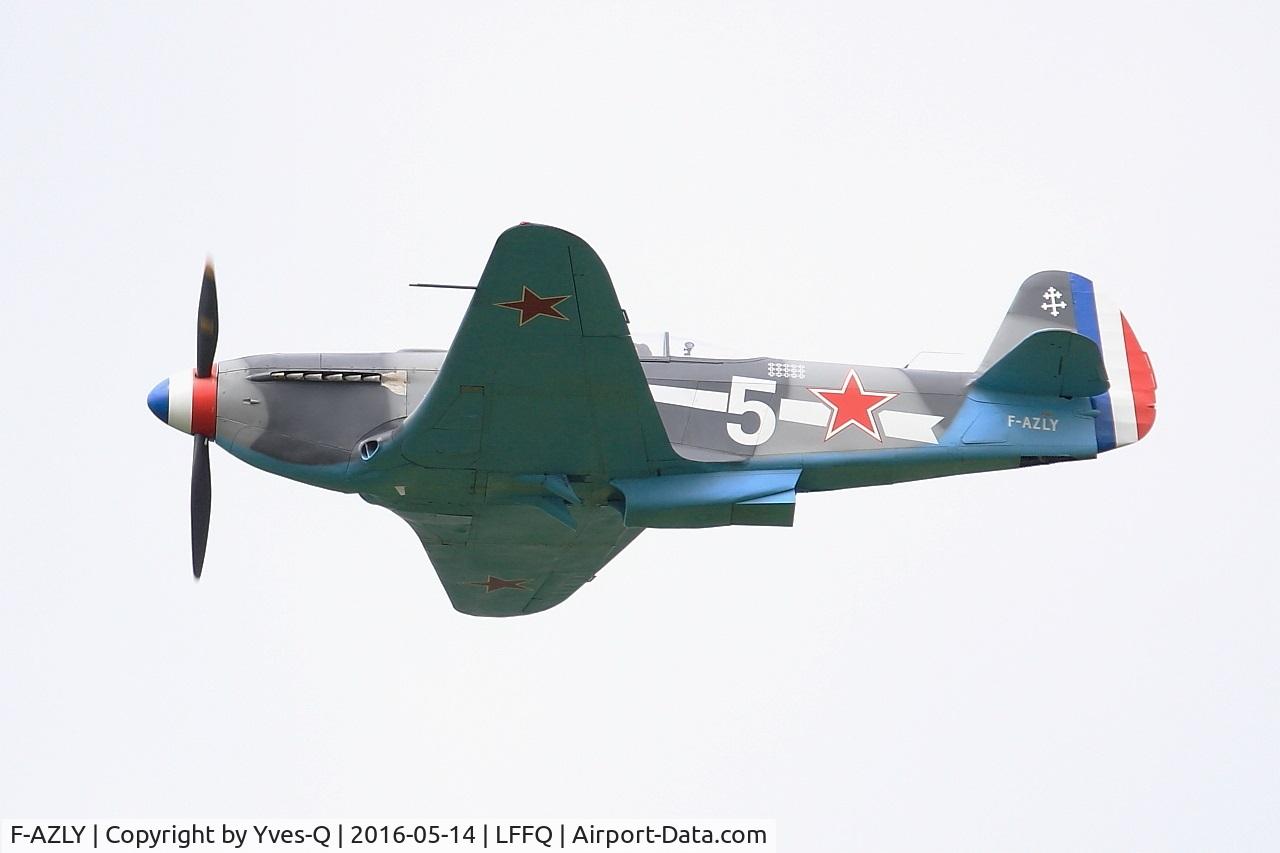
(1127, 411)
(1087, 325)
(1142, 379)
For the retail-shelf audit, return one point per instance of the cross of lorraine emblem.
(1053, 302)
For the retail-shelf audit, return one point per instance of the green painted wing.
(513, 560)
(542, 376)
(540, 402)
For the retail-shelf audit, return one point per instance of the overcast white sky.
(1066, 658)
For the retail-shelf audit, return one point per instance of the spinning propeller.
(189, 402)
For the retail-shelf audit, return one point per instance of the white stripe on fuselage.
(908, 426)
(809, 412)
(691, 398)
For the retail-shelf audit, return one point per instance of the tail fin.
(1066, 302)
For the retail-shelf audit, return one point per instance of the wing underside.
(514, 560)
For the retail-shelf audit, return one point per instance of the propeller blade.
(200, 503)
(207, 323)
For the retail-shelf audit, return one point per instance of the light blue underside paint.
(703, 500)
(1025, 425)
(1087, 324)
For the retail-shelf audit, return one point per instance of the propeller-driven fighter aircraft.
(544, 440)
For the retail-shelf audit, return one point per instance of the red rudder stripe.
(1142, 379)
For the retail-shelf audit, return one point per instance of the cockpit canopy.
(675, 345)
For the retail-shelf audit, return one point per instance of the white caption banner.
(432, 834)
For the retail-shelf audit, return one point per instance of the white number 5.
(740, 405)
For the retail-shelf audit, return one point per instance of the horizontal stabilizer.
(1050, 362)
(713, 499)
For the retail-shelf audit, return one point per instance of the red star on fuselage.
(491, 583)
(532, 305)
(852, 405)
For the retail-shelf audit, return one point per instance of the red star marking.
(852, 405)
(493, 583)
(532, 305)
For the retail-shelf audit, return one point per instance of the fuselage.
(323, 418)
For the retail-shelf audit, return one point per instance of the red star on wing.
(491, 583)
(852, 405)
(532, 305)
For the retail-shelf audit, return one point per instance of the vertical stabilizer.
(1068, 302)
